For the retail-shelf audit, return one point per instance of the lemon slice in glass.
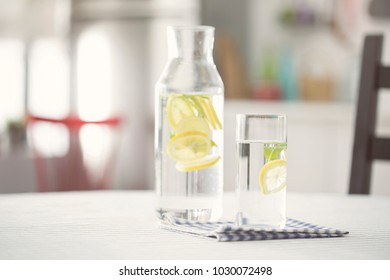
(273, 176)
(178, 108)
(189, 146)
(198, 164)
(193, 124)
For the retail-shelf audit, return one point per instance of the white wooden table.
(123, 225)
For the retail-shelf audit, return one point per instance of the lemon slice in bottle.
(198, 164)
(178, 108)
(273, 176)
(193, 124)
(189, 146)
(209, 112)
(216, 121)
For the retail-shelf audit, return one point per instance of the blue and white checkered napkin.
(228, 231)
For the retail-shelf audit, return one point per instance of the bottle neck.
(191, 43)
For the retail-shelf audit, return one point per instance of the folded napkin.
(228, 231)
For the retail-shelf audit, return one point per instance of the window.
(12, 82)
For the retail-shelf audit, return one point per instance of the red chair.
(72, 154)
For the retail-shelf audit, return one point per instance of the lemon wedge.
(273, 176)
(189, 146)
(178, 108)
(214, 116)
(193, 124)
(199, 164)
(209, 112)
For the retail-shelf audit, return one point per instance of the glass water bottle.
(189, 128)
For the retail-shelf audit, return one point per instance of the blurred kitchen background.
(77, 86)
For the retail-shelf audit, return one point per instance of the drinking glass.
(262, 170)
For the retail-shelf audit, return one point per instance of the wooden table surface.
(123, 225)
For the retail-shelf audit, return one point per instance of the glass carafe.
(189, 128)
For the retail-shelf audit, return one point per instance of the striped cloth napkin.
(228, 231)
